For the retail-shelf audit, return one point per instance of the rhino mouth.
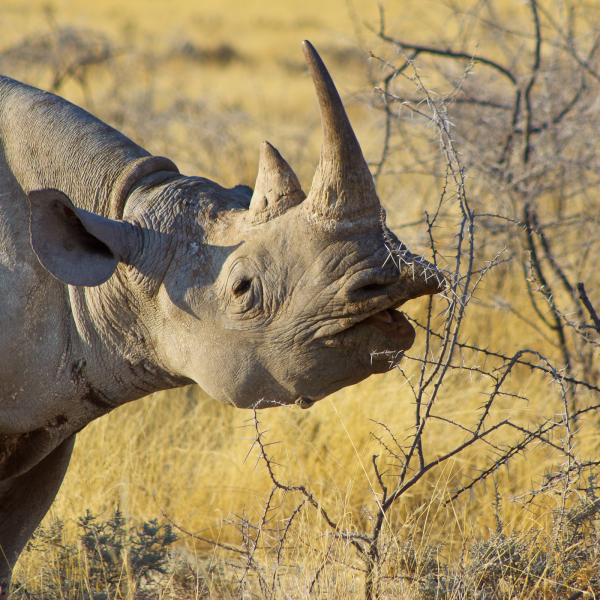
(387, 332)
(392, 323)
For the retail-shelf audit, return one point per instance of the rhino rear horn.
(342, 188)
(277, 188)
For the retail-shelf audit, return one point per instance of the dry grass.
(203, 83)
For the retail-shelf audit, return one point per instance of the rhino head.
(264, 298)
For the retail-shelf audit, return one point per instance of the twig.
(588, 305)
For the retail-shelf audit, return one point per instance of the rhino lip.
(388, 320)
(392, 323)
(305, 402)
(386, 316)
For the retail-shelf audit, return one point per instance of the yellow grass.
(182, 454)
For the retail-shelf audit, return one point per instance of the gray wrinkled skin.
(120, 277)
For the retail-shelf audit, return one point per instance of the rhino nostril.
(373, 288)
(369, 291)
(370, 283)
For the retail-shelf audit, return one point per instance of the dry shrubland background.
(470, 470)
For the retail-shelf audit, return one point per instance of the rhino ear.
(76, 246)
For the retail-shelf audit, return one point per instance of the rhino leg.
(24, 500)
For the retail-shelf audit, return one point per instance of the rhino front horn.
(342, 188)
(277, 188)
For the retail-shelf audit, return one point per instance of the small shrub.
(108, 559)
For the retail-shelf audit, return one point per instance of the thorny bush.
(508, 136)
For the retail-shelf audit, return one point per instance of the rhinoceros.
(120, 277)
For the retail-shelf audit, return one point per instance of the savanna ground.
(470, 470)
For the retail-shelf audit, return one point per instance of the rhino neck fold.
(157, 168)
(50, 143)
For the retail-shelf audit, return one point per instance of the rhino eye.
(241, 286)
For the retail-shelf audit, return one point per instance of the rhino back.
(33, 305)
(33, 320)
(50, 143)
(47, 142)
